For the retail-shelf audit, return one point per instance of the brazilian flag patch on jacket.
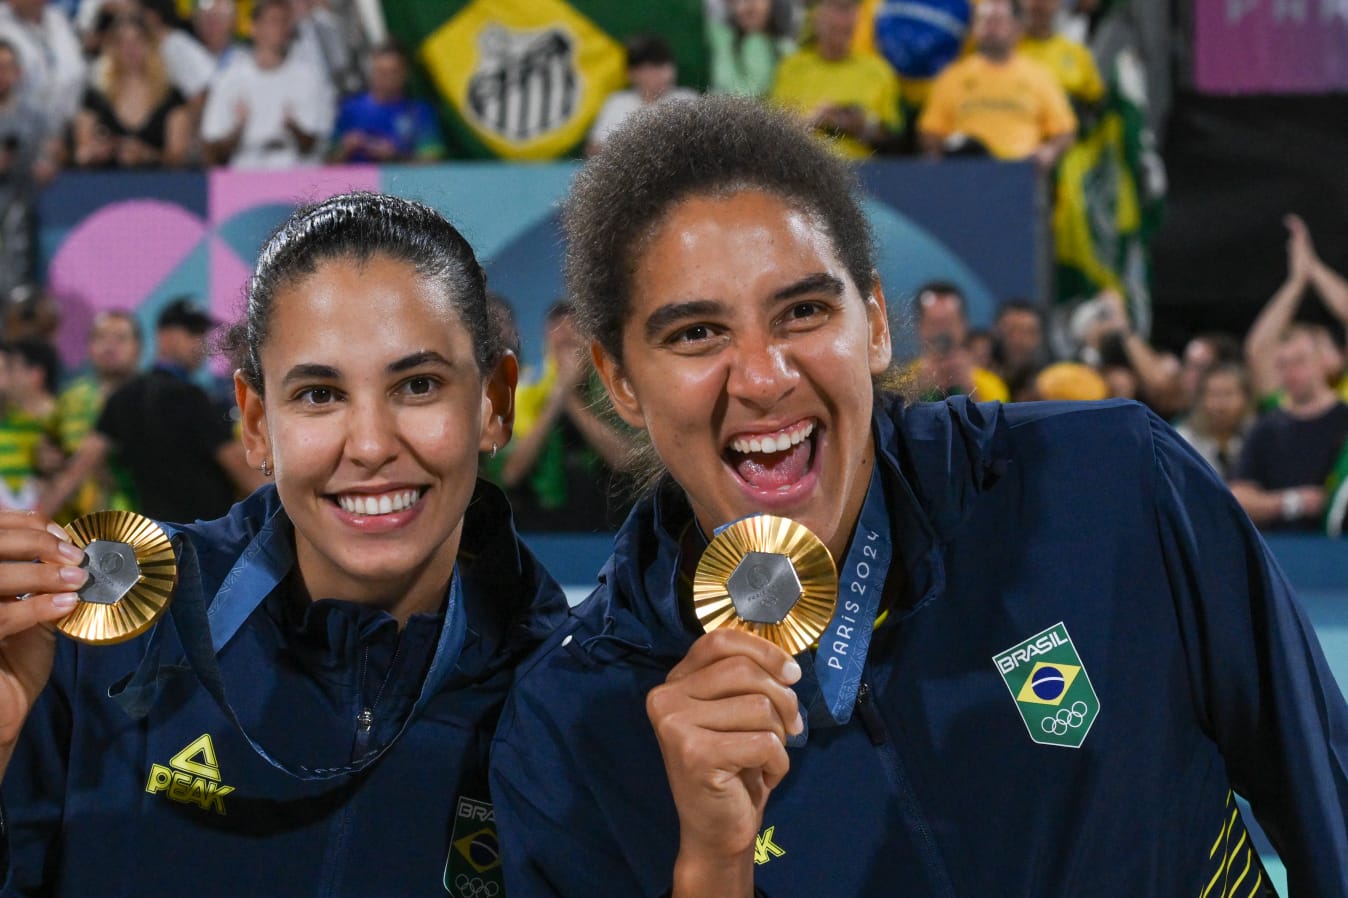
(1051, 688)
(473, 868)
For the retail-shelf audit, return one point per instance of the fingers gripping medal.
(769, 576)
(132, 572)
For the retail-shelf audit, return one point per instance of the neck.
(997, 54)
(1312, 405)
(418, 591)
(1039, 33)
(831, 52)
(268, 58)
(108, 382)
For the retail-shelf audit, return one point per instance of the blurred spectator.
(321, 41)
(652, 73)
(946, 366)
(29, 159)
(747, 46)
(997, 101)
(188, 63)
(213, 24)
(980, 344)
(268, 109)
(132, 117)
(1069, 60)
(1109, 341)
(849, 96)
(1288, 455)
(1222, 415)
(384, 124)
(27, 453)
(1304, 269)
(1018, 334)
(180, 452)
(1071, 381)
(558, 467)
(49, 55)
(114, 355)
(1202, 353)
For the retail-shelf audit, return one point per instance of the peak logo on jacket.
(1052, 690)
(192, 777)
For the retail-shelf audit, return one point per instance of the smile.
(774, 442)
(375, 504)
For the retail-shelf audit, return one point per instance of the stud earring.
(493, 450)
(265, 467)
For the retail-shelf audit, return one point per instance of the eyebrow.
(820, 282)
(327, 372)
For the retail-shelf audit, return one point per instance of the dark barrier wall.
(134, 241)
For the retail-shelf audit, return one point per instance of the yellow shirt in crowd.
(1070, 62)
(805, 80)
(1011, 107)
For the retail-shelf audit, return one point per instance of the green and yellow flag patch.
(1051, 687)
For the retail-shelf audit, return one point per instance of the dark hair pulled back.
(360, 226)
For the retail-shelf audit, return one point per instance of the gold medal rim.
(137, 611)
(818, 574)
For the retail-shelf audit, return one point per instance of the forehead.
(354, 311)
(714, 246)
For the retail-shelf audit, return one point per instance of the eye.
(804, 314)
(694, 334)
(420, 385)
(316, 395)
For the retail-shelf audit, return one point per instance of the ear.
(253, 418)
(624, 398)
(879, 347)
(498, 403)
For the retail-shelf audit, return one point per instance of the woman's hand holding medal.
(722, 718)
(42, 565)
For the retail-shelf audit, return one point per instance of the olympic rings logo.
(1066, 719)
(473, 887)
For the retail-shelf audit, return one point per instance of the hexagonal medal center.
(764, 587)
(113, 571)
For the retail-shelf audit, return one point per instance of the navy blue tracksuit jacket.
(1089, 520)
(177, 804)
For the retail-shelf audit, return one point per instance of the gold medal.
(769, 576)
(132, 571)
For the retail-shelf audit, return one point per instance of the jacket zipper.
(875, 728)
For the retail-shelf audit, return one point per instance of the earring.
(266, 467)
(493, 450)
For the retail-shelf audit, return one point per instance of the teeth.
(778, 443)
(377, 505)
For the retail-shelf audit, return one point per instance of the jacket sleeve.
(1263, 689)
(35, 786)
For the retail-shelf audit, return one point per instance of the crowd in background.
(131, 84)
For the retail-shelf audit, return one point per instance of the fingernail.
(797, 726)
(64, 601)
(791, 671)
(70, 552)
(74, 575)
(59, 532)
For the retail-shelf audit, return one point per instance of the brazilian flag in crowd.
(1110, 193)
(524, 79)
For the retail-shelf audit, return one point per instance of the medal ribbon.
(841, 657)
(205, 629)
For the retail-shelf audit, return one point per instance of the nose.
(372, 435)
(761, 373)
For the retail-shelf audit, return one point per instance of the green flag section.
(1110, 192)
(1336, 495)
(524, 79)
(1051, 688)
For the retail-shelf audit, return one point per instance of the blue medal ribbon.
(205, 627)
(841, 656)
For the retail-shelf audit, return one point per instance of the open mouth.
(376, 504)
(775, 461)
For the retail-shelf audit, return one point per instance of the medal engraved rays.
(132, 572)
(769, 576)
